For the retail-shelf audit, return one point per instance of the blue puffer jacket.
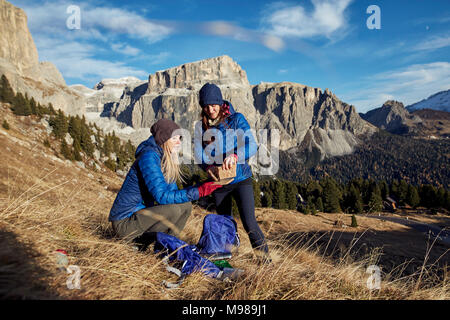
(234, 121)
(145, 186)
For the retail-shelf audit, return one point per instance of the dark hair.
(205, 117)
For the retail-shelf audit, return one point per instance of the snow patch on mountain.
(438, 101)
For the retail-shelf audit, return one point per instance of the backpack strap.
(181, 276)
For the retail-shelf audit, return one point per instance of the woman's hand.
(211, 170)
(229, 161)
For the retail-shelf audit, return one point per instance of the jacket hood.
(148, 145)
(232, 111)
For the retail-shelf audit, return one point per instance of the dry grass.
(47, 205)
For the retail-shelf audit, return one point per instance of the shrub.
(5, 125)
(354, 222)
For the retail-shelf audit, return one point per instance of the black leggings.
(242, 192)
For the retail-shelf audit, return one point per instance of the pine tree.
(51, 109)
(313, 188)
(74, 128)
(115, 142)
(354, 222)
(40, 109)
(402, 192)
(441, 197)
(256, 193)
(384, 188)
(375, 201)
(365, 190)
(303, 209)
(130, 151)
(331, 196)
(27, 105)
(353, 200)
(107, 145)
(310, 206)
(394, 188)
(77, 150)
(6, 92)
(21, 106)
(319, 204)
(60, 124)
(428, 196)
(86, 142)
(65, 150)
(291, 196)
(33, 106)
(267, 198)
(279, 195)
(412, 196)
(111, 164)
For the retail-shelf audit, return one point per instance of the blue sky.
(319, 43)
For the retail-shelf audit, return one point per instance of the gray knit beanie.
(162, 130)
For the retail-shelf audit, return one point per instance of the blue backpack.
(176, 249)
(218, 237)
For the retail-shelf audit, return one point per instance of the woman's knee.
(187, 206)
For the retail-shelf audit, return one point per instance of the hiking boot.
(263, 258)
(264, 261)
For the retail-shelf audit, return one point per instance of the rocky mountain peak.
(19, 62)
(306, 117)
(222, 70)
(393, 105)
(393, 117)
(116, 83)
(16, 43)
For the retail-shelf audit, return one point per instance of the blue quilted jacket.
(230, 144)
(145, 186)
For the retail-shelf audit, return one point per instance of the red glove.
(207, 188)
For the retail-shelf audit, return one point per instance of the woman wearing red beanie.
(149, 200)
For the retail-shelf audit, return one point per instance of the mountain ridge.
(438, 101)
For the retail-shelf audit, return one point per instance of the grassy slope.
(48, 204)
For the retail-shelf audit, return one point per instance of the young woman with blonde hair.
(149, 200)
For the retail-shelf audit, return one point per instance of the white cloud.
(408, 85)
(326, 18)
(96, 22)
(77, 60)
(157, 58)
(80, 53)
(125, 49)
(433, 43)
(120, 21)
(227, 29)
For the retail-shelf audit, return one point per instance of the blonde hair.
(170, 165)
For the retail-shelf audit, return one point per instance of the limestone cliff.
(173, 93)
(19, 62)
(306, 117)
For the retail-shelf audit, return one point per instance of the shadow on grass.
(20, 275)
(397, 253)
